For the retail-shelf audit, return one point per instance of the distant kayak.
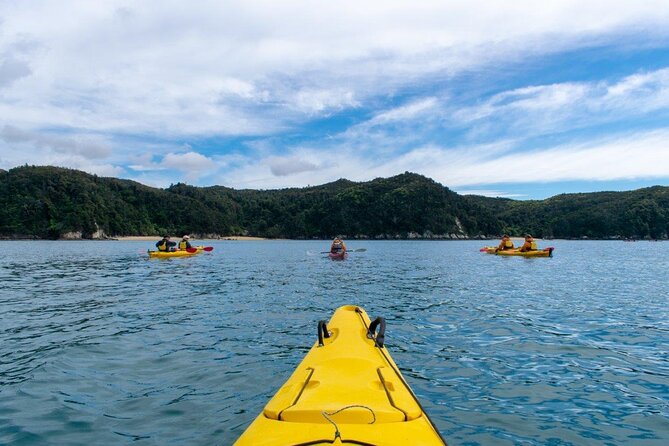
(338, 255)
(546, 252)
(347, 390)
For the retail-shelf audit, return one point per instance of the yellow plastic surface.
(357, 385)
(513, 252)
(168, 254)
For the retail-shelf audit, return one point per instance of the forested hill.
(51, 202)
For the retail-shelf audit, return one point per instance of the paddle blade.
(208, 248)
(191, 250)
(359, 250)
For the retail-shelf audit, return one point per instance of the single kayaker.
(165, 244)
(505, 244)
(184, 244)
(337, 246)
(529, 245)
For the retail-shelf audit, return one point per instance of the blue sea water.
(100, 345)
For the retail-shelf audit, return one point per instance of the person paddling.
(338, 246)
(184, 244)
(529, 245)
(165, 244)
(505, 244)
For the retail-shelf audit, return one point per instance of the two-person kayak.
(346, 390)
(546, 252)
(337, 249)
(179, 253)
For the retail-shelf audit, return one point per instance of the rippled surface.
(99, 345)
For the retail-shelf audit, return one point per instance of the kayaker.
(184, 244)
(337, 246)
(165, 244)
(505, 244)
(529, 245)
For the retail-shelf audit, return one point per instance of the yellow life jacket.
(162, 246)
(508, 244)
(183, 244)
(533, 246)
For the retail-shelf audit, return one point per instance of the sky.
(519, 99)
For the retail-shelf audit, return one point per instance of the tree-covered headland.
(53, 202)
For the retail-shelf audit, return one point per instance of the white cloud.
(509, 118)
(632, 156)
(489, 193)
(146, 165)
(541, 109)
(86, 147)
(13, 60)
(404, 112)
(539, 98)
(11, 70)
(14, 154)
(105, 170)
(318, 101)
(107, 72)
(159, 170)
(230, 68)
(186, 161)
(192, 164)
(643, 155)
(282, 167)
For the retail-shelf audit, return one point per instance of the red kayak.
(338, 255)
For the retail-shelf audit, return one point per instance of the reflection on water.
(99, 345)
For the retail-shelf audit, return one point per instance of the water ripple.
(100, 345)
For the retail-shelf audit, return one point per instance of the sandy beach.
(144, 238)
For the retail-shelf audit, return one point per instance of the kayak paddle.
(348, 250)
(206, 248)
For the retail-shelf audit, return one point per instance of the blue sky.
(518, 100)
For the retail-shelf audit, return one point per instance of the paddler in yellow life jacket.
(529, 245)
(184, 244)
(337, 246)
(505, 244)
(165, 244)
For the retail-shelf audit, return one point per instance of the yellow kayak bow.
(346, 390)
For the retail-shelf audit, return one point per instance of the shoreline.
(154, 238)
(145, 238)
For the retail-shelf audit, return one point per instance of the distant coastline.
(144, 238)
(195, 239)
(135, 238)
(51, 203)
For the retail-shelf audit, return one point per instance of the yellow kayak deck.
(347, 390)
(546, 252)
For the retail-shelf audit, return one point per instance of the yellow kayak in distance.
(178, 253)
(546, 252)
(346, 390)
